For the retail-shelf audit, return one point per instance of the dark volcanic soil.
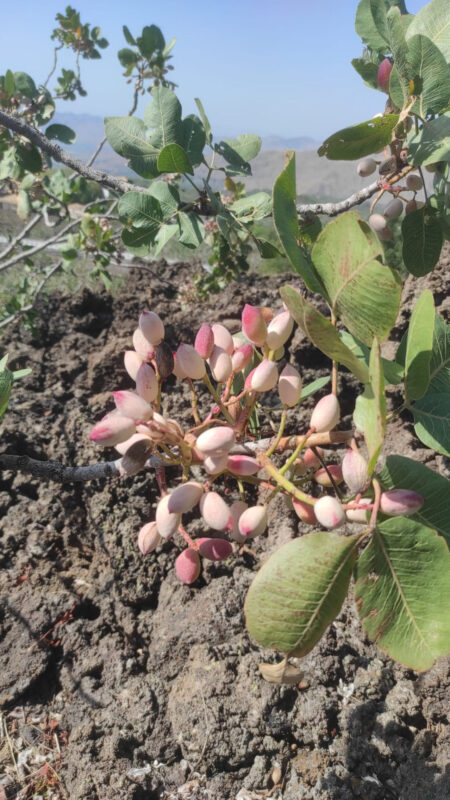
(131, 686)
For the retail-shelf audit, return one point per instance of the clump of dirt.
(129, 685)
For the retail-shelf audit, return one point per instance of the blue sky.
(258, 66)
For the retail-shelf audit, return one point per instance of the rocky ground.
(117, 681)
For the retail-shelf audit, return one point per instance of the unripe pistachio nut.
(191, 362)
(129, 404)
(142, 346)
(215, 512)
(378, 222)
(132, 361)
(122, 447)
(241, 357)
(220, 364)
(384, 74)
(289, 386)
(214, 549)
(279, 330)
(305, 510)
(187, 565)
(326, 414)
(147, 383)
(253, 521)
(243, 465)
(323, 478)
(400, 502)
(329, 512)
(204, 341)
(355, 470)
(223, 338)
(394, 209)
(310, 458)
(136, 457)
(236, 510)
(148, 538)
(265, 376)
(185, 497)
(112, 429)
(152, 327)
(414, 182)
(215, 464)
(216, 441)
(253, 324)
(359, 514)
(366, 167)
(167, 523)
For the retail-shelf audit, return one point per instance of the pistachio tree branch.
(58, 472)
(119, 185)
(332, 209)
(55, 151)
(55, 471)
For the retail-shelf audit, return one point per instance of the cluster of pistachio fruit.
(219, 444)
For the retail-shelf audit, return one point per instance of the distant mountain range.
(317, 178)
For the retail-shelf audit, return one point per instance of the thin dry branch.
(55, 151)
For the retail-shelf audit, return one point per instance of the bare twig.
(57, 237)
(55, 471)
(38, 291)
(28, 227)
(55, 151)
(332, 209)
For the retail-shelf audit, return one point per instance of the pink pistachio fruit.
(132, 361)
(147, 383)
(329, 512)
(216, 441)
(323, 478)
(253, 324)
(220, 364)
(241, 357)
(305, 510)
(129, 404)
(112, 429)
(243, 465)
(152, 327)
(289, 386)
(167, 523)
(204, 341)
(384, 73)
(400, 502)
(223, 338)
(185, 497)
(148, 538)
(265, 376)
(142, 346)
(237, 509)
(187, 565)
(355, 471)
(253, 521)
(216, 512)
(214, 549)
(326, 414)
(279, 330)
(190, 362)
